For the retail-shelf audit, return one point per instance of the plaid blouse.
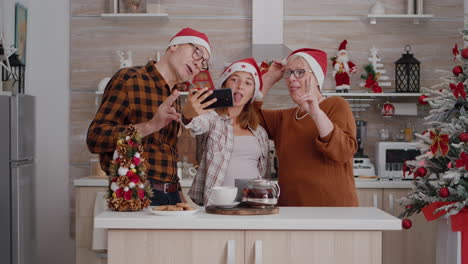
(132, 96)
(217, 154)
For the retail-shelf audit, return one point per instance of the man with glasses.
(144, 96)
(315, 141)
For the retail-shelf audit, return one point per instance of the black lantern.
(16, 74)
(407, 73)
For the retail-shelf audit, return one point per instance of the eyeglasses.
(198, 55)
(298, 73)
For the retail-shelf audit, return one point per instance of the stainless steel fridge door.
(23, 214)
(23, 127)
(5, 199)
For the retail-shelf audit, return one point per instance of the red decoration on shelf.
(464, 53)
(421, 100)
(457, 70)
(444, 192)
(406, 223)
(388, 109)
(463, 137)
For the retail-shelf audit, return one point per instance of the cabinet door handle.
(391, 203)
(231, 252)
(258, 252)
(376, 200)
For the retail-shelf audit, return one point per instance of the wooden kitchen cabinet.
(416, 245)
(370, 197)
(319, 247)
(177, 246)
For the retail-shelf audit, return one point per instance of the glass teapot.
(261, 193)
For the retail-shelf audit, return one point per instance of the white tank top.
(244, 160)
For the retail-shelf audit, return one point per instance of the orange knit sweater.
(314, 171)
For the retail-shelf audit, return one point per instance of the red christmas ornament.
(406, 223)
(464, 53)
(444, 192)
(388, 110)
(420, 172)
(463, 137)
(421, 99)
(457, 70)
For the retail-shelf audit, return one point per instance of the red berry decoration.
(464, 53)
(420, 172)
(457, 70)
(444, 192)
(406, 223)
(463, 137)
(421, 99)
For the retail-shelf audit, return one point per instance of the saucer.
(230, 205)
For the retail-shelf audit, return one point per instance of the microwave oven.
(390, 157)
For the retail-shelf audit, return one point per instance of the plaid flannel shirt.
(217, 154)
(131, 97)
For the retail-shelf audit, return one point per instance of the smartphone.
(224, 97)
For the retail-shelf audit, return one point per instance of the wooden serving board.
(241, 210)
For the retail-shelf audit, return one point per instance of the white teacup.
(223, 195)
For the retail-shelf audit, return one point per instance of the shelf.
(285, 92)
(416, 18)
(135, 16)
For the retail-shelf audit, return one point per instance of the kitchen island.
(295, 235)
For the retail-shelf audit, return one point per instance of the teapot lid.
(260, 182)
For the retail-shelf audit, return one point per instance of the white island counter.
(295, 235)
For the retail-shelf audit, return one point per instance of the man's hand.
(165, 114)
(193, 106)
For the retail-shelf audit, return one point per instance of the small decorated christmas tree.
(440, 172)
(375, 73)
(129, 189)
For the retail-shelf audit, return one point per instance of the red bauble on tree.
(421, 99)
(444, 192)
(463, 137)
(457, 70)
(464, 53)
(406, 223)
(420, 172)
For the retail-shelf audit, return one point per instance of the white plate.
(227, 205)
(172, 213)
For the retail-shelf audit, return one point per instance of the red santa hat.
(188, 35)
(343, 45)
(317, 61)
(245, 65)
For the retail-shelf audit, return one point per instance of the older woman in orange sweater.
(315, 141)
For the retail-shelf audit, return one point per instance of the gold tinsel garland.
(129, 189)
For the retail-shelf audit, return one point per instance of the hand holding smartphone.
(223, 99)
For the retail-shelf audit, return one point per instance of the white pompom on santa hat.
(245, 65)
(317, 61)
(189, 35)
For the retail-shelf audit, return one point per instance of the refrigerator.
(17, 172)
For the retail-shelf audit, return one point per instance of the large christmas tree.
(440, 172)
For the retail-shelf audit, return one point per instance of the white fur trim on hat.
(315, 66)
(190, 39)
(243, 67)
